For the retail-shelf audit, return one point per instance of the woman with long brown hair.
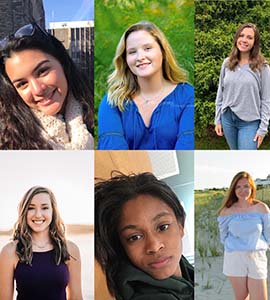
(243, 97)
(42, 262)
(244, 225)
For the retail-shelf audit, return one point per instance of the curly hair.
(22, 231)
(110, 196)
(256, 59)
(19, 128)
(123, 83)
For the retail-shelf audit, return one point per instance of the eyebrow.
(34, 70)
(43, 204)
(157, 217)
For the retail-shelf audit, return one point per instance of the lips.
(47, 99)
(143, 65)
(38, 222)
(160, 262)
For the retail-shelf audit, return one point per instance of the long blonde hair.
(123, 83)
(22, 231)
(231, 197)
(256, 59)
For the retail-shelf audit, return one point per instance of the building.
(16, 13)
(78, 39)
(263, 182)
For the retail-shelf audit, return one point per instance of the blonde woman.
(41, 261)
(244, 225)
(149, 104)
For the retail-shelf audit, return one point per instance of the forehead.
(139, 36)
(143, 207)
(41, 198)
(248, 31)
(242, 181)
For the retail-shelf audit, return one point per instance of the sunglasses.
(32, 29)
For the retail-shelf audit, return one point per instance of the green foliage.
(174, 17)
(215, 25)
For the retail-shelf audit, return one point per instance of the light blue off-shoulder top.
(245, 231)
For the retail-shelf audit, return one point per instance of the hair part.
(123, 84)
(256, 59)
(22, 231)
(110, 196)
(231, 197)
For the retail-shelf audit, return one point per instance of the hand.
(259, 139)
(218, 129)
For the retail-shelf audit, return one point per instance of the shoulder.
(225, 211)
(183, 92)
(8, 253)
(73, 249)
(261, 207)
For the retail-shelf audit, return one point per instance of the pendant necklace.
(41, 247)
(148, 100)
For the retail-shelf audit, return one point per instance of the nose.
(140, 54)
(37, 87)
(38, 213)
(153, 244)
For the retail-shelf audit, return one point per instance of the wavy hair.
(256, 59)
(231, 197)
(110, 196)
(19, 128)
(123, 83)
(22, 231)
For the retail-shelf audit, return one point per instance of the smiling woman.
(42, 262)
(138, 231)
(45, 101)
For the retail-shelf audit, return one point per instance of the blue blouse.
(171, 125)
(245, 231)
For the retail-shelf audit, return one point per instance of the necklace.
(43, 246)
(148, 100)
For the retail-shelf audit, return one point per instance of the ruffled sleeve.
(266, 227)
(223, 222)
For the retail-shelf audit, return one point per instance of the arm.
(219, 100)
(7, 266)
(185, 135)
(265, 104)
(110, 128)
(74, 288)
(223, 228)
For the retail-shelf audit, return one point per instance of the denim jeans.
(239, 134)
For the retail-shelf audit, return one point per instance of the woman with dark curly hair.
(139, 226)
(42, 262)
(45, 101)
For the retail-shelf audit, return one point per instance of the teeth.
(38, 222)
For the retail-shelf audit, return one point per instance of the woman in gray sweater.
(243, 97)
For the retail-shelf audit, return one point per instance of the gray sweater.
(247, 93)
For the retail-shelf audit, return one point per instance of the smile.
(143, 65)
(38, 222)
(47, 99)
(160, 262)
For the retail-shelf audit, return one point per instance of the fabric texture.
(66, 132)
(247, 93)
(171, 125)
(251, 264)
(135, 284)
(245, 231)
(43, 280)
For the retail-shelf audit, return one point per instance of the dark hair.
(19, 128)
(110, 195)
(256, 59)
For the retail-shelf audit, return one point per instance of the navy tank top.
(44, 280)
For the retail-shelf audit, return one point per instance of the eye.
(148, 48)
(21, 85)
(43, 71)
(132, 52)
(134, 238)
(163, 227)
(31, 208)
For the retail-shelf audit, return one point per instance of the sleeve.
(185, 135)
(223, 228)
(266, 227)
(265, 100)
(219, 97)
(110, 128)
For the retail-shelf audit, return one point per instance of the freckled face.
(243, 189)
(39, 79)
(151, 236)
(143, 54)
(39, 215)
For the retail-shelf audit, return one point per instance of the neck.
(243, 203)
(244, 57)
(152, 84)
(40, 238)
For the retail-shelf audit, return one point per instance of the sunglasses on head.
(31, 29)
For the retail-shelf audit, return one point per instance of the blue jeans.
(239, 134)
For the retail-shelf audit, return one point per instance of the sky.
(68, 10)
(217, 168)
(69, 174)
